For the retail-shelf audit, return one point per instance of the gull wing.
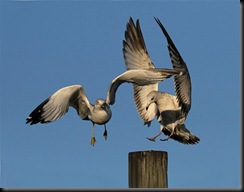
(134, 48)
(58, 104)
(140, 77)
(182, 82)
(140, 95)
(136, 56)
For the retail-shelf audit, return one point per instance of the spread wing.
(137, 57)
(140, 77)
(134, 48)
(182, 82)
(58, 104)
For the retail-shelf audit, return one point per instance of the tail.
(182, 135)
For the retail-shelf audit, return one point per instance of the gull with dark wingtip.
(171, 111)
(57, 105)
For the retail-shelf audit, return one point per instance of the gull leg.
(166, 139)
(154, 138)
(93, 139)
(160, 132)
(105, 134)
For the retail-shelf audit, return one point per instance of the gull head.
(101, 103)
(101, 112)
(151, 98)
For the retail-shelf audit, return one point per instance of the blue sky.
(47, 45)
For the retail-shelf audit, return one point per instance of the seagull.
(57, 105)
(171, 111)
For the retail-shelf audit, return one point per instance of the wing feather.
(57, 105)
(134, 48)
(140, 95)
(182, 82)
(136, 57)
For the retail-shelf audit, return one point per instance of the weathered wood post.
(148, 169)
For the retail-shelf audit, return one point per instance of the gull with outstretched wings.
(57, 105)
(171, 111)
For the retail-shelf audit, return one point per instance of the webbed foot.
(105, 134)
(93, 140)
(152, 139)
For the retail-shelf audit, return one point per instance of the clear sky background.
(47, 45)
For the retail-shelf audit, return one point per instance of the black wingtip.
(32, 120)
(156, 19)
(35, 115)
(28, 120)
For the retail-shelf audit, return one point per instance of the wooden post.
(148, 169)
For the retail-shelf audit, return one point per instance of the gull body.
(171, 118)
